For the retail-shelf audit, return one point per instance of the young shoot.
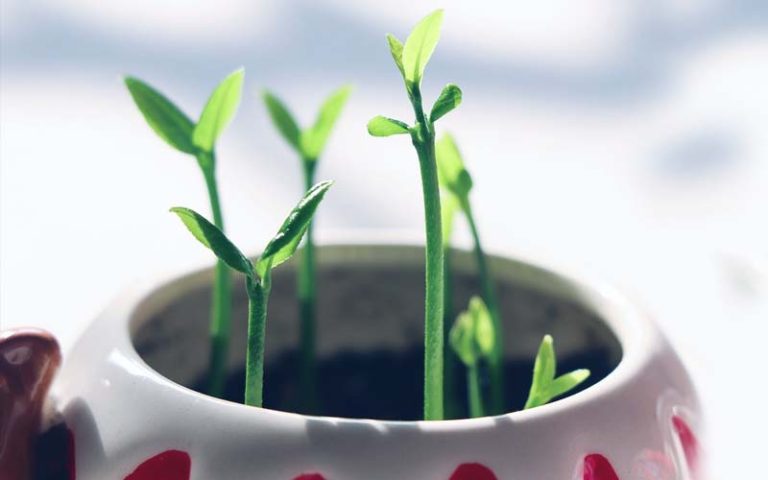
(258, 274)
(199, 140)
(411, 59)
(545, 386)
(308, 144)
(472, 339)
(456, 184)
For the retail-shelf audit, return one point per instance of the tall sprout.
(411, 59)
(308, 143)
(199, 140)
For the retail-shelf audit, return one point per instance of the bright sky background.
(628, 138)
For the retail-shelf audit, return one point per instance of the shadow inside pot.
(370, 332)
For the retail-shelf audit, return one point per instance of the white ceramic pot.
(132, 415)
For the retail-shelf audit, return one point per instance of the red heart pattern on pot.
(177, 464)
(168, 465)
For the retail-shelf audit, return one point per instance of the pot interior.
(370, 332)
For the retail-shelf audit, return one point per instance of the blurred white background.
(628, 138)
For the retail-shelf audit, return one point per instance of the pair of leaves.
(545, 386)
(173, 126)
(450, 98)
(278, 250)
(411, 59)
(308, 143)
(472, 335)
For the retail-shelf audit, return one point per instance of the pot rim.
(635, 332)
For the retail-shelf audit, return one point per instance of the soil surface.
(387, 385)
(370, 333)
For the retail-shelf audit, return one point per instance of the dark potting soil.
(387, 385)
(370, 334)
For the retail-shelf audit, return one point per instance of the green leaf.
(219, 110)
(313, 140)
(546, 364)
(485, 336)
(449, 99)
(566, 382)
(287, 239)
(380, 126)
(545, 386)
(450, 168)
(213, 238)
(170, 123)
(472, 335)
(420, 45)
(396, 49)
(462, 341)
(283, 120)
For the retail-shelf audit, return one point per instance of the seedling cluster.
(476, 337)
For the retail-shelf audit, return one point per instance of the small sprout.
(384, 127)
(199, 140)
(411, 59)
(309, 145)
(472, 334)
(258, 275)
(472, 339)
(449, 99)
(455, 186)
(310, 142)
(545, 386)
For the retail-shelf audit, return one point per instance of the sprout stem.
(220, 325)
(258, 297)
(496, 360)
(423, 138)
(307, 307)
(474, 393)
(452, 408)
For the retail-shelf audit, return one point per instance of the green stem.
(222, 290)
(307, 307)
(474, 393)
(451, 361)
(258, 297)
(496, 360)
(423, 139)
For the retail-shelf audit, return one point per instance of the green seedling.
(545, 386)
(455, 186)
(472, 339)
(411, 59)
(199, 140)
(258, 274)
(308, 144)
